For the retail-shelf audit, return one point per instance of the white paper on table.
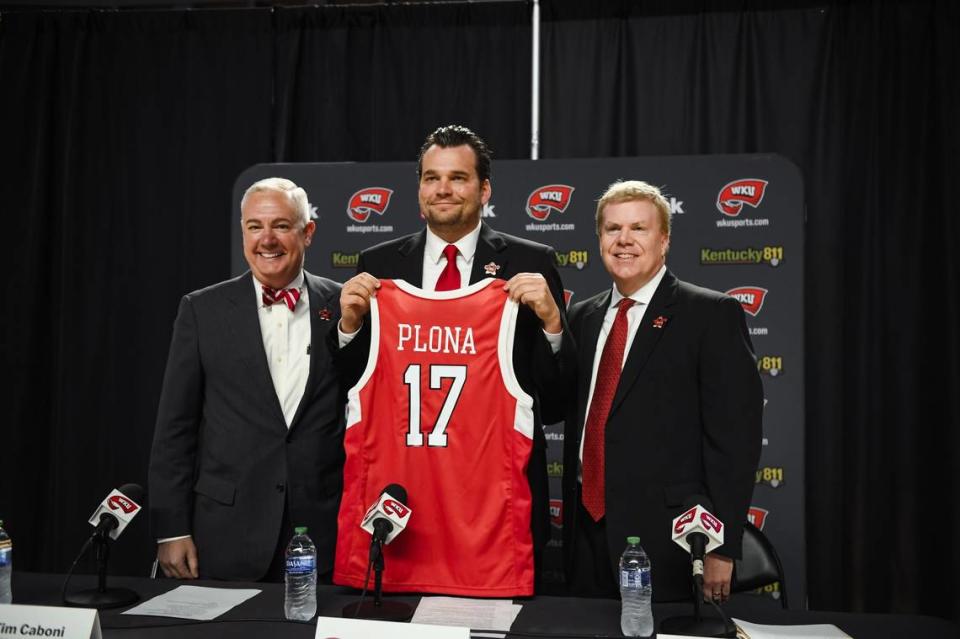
(365, 628)
(480, 614)
(193, 602)
(811, 631)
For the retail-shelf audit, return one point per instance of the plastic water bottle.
(636, 617)
(6, 566)
(300, 577)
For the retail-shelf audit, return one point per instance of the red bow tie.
(289, 296)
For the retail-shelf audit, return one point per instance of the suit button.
(280, 487)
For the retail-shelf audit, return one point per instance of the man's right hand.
(178, 558)
(355, 301)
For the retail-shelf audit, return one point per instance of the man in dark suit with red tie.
(667, 409)
(248, 440)
(454, 250)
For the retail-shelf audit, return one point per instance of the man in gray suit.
(248, 440)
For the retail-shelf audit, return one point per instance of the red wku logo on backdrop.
(394, 507)
(547, 199)
(733, 196)
(757, 516)
(374, 199)
(556, 512)
(121, 502)
(750, 298)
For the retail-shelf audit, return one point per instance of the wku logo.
(374, 199)
(556, 512)
(394, 507)
(757, 516)
(683, 520)
(710, 522)
(120, 502)
(548, 199)
(733, 196)
(750, 298)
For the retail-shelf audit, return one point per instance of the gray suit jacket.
(223, 463)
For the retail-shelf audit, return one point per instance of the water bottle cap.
(300, 530)
(633, 541)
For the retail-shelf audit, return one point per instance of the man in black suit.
(667, 409)
(248, 441)
(454, 173)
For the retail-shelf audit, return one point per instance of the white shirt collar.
(467, 245)
(644, 294)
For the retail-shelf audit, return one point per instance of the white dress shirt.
(286, 340)
(642, 297)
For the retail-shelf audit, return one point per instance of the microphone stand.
(698, 625)
(101, 597)
(378, 609)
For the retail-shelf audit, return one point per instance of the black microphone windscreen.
(134, 492)
(398, 492)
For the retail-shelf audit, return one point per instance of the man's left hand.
(532, 290)
(717, 574)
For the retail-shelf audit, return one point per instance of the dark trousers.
(593, 574)
(275, 572)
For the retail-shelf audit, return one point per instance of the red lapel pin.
(660, 322)
(324, 314)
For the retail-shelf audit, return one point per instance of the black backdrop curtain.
(123, 133)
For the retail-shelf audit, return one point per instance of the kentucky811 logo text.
(771, 365)
(771, 476)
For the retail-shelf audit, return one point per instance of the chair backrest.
(760, 565)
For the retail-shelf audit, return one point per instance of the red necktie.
(450, 278)
(608, 376)
(290, 296)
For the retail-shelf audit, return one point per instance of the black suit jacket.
(223, 462)
(685, 421)
(538, 370)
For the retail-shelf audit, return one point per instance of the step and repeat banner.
(738, 227)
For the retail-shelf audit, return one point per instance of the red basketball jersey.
(439, 411)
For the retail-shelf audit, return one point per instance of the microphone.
(117, 510)
(386, 518)
(698, 532)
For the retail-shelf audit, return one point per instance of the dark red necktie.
(289, 296)
(608, 376)
(450, 278)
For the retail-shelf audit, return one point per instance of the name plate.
(48, 621)
(339, 628)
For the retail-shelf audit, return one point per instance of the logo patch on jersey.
(552, 198)
(757, 516)
(374, 199)
(750, 297)
(733, 196)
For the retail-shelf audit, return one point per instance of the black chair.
(760, 564)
